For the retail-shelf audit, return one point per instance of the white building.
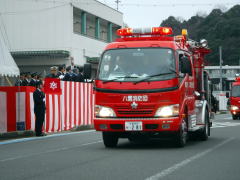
(42, 33)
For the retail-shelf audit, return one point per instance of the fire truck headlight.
(102, 111)
(168, 111)
(234, 108)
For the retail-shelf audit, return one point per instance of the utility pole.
(117, 2)
(220, 64)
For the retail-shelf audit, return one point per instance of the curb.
(24, 134)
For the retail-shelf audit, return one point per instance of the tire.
(110, 140)
(182, 134)
(234, 117)
(205, 132)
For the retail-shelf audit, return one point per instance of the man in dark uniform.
(39, 78)
(39, 109)
(61, 71)
(20, 80)
(26, 81)
(33, 81)
(79, 77)
(68, 76)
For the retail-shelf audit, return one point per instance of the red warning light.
(162, 30)
(145, 31)
(125, 32)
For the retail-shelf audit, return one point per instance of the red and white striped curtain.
(74, 107)
(71, 109)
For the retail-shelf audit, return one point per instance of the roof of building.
(8, 67)
(52, 53)
(93, 60)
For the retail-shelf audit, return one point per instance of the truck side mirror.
(227, 95)
(185, 65)
(87, 71)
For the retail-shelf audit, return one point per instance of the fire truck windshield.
(236, 91)
(136, 64)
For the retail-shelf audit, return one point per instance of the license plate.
(133, 126)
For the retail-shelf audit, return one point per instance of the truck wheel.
(205, 132)
(234, 117)
(110, 140)
(181, 138)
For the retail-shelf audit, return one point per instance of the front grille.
(151, 126)
(116, 126)
(141, 110)
(135, 112)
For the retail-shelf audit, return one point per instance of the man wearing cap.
(39, 78)
(68, 76)
(33, 80)
(53, 72)
(80, 77)
(27, 79)
(20, 80)
(39, 109)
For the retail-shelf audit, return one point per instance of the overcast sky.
(149, 13)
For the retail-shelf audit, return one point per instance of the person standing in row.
(68, 76)
(27, 79)
(61, 71)
(33, 81)
(19, 81)
(39, 108)
(53, 72)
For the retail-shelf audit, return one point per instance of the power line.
(173, 5)
(86, 2)
(136, 4)
(32, 11)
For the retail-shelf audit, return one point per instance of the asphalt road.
(82, 156)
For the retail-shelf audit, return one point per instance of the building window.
(103, 30)
(115, 28)
(77, 24)
(92, 26)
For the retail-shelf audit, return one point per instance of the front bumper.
(149, 124)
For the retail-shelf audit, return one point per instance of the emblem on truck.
(134, 105)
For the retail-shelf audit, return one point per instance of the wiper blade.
(117, 78)
(155, 75)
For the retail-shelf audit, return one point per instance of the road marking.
(229, 118)
(49, 151)
(44, 137)
(183, 163)
(225, 124)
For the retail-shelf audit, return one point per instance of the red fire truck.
(151, 84)
(234, 99)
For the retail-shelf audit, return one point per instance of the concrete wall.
(35, 25)
(85, 47)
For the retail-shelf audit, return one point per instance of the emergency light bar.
(144, 31)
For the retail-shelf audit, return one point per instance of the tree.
(220, 28)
